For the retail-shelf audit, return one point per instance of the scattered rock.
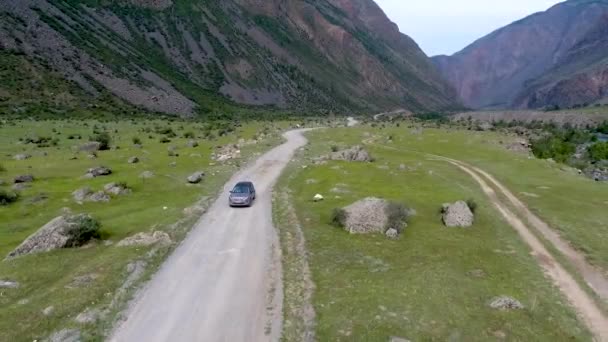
(146, 239)
(506, 303)
(457, 215)
(48, 311)
(354, 154)
(366, 216)
(65, 335)
(485, 126)
(99, 196)
(38, 198)
(7, 284)
(91, 146)
(598, 174)
(98, 172)
(22, 156)
(23, 301)
(173, 164)
(146, 175)
(226, 153)
(88, 316)
(24, 179)
(318, 198)
(196, 177)
(133, 160)
(402, 167)
(311, 181)
(392, 234)
(116, 189)
(82, 194)
(20, 186)
(2, 182)
(192, 143)
(398, 339)
(92, 155)
(61, 232)
(83, 281)
(477, 273)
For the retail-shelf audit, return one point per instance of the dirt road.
(219, 284)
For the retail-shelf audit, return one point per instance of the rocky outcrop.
(146, 239)
(457, 215)
(353, 154)
(61, 232)
(366, 216)
(196, 177)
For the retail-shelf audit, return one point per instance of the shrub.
(398, 215)
(189, 135)
(2, 168)
(136, 141)
(165, 140)
(83, 230)
(338, 217)
(335, 148)
(104, 139)
(472, 205)
(598, 151)
(7, 197)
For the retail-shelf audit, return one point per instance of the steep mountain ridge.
(552, 58)
(196, 57)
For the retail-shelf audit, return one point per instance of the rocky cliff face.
(192, 57)
(557, 57)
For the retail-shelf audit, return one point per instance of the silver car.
(242, 195)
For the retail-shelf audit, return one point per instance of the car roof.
(244, 183)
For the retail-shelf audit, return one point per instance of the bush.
(189, 135)
(83, 230)
(7, 197)
(165, 140)
(472, 205)
(598, 151)
(398, 215)
(2, 168)
(335, 148)
(136, 141)
(338, 217)
(104, 139)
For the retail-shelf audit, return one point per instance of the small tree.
(472, 205)
(84, 228)
(103, 139)
(7, 197)
(338, 217)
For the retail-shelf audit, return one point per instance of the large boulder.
(91, 146)
(117, 189)
(24, 179)
(506, 303)
(61, 232)
(457, 215)
(99, 196)
(22, 156)
(366, 216)
(82, 194)
(353, 154)
(98, 171)
(196, 177)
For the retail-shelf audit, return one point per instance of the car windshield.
(240, 189)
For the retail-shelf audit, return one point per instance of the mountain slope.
(195, 57)
(551, 58)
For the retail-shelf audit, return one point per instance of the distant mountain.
(193, 57)
(554, 58)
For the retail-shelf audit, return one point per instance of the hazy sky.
(447, 26)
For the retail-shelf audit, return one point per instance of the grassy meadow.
(434, 283)
(158, 203)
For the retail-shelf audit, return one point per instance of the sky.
(447, 26)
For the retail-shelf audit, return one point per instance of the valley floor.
(435, 282)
